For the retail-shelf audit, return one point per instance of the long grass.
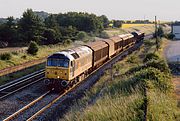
(123, 99)
(162, 107)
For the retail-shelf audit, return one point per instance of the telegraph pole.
(156, 37)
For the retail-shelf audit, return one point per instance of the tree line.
(53, 29)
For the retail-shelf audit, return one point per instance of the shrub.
(104, 35)
(5, 56)
(67, 42)
(161, 65)
(33, 48)
(132, 59)
(149, 42)
(154, 78)
(15, 53)
(24, 56)
(81, 35)
(151, 56)
(169, 36)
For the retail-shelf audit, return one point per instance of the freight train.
(67, 67)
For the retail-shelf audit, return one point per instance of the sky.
(166, 10)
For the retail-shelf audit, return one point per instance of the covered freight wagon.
(100, 52)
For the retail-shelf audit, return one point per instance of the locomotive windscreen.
(58, 62)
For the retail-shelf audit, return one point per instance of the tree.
(8, 31)
(51, 21)
(81, 21)
(33, 48)
(30, 26)
(117, 23)
(68, 32)
(105, 21)
(50, 36)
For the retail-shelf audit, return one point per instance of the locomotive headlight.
(58, 77)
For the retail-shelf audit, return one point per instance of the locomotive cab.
(59, 66)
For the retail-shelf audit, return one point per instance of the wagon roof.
(126, 36)
(109, 41)
(97, 45)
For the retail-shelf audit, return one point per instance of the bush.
(67, 42)
(149, 42)
(161, 65)
(154, 78)
(24, 56)
(15, 53)
(81, 35)
(5, 56)
(33, 48)
(151, 56)
(169, 36)
(132, 59)
(104, 35)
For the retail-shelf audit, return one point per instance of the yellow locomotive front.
(68, 67)
(59, 70)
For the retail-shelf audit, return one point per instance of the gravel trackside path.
(172, 52)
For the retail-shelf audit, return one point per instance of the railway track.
(41, 106)
(21, 83)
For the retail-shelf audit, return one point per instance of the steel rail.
(24, 80)
(2, 97)
(27, 106)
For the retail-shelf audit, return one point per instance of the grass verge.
(21, 73)
(141, 90)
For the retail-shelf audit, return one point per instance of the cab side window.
(71, 64)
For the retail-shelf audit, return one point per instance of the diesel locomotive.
(67, 67)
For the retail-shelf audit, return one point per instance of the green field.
(147, 29)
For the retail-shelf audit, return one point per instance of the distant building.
(176, 30)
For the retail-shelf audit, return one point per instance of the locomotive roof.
(82, 51)
(65, 54)
(73, 53)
